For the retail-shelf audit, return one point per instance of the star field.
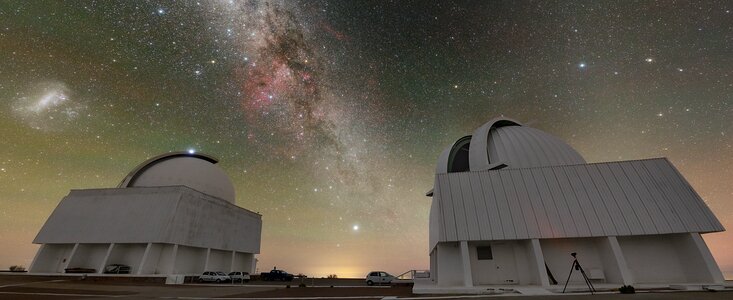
(329, 116)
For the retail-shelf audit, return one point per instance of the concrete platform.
(422, 287)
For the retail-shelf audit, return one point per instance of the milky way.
(329, 115)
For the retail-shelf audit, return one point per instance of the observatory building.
(173, 214)
(511, 203)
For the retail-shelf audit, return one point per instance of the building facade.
(511, 203)
(173, 214)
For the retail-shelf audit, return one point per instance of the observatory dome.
(194, 170)
(506, 142)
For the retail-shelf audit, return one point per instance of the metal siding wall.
(486, 229)
(584, 201)
(655, 191)
(618, 194)
(533, 230)
(520, 226)
(703, 208)
(505, 207)
(614, 211)
(605, 199)
(469, 205)
(439, 205)
(576, 212)
(647, 225)
(447, 206)
(645, 196)
(550, 212)
(599, 206)
(680, 188)
(673, 197)
(502, 226)
(538, 208)
(458, 208)
(560, 202)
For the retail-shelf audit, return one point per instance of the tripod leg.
(587, 280)
(571, 273)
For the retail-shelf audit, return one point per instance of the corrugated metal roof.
(584, 200)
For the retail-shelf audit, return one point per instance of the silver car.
(379, 277)
(214, 277)
(239, 276)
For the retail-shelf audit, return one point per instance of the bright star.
(581, 65)
(649, 60)
(355, 227)
(191, 151)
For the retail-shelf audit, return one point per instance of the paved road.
(29, 287)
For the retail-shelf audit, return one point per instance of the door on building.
(494, 264)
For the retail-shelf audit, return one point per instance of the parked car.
(379, 277)
(117, 269)
(277, 275)
(217, 277)
(239, 276)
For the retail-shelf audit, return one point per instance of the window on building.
(484, 253)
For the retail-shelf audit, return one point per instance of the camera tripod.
(576, 266)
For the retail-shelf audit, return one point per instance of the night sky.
(329, 116)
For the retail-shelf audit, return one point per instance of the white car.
(379, 277)
(239, 276)
(214, 277)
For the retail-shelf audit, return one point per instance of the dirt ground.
(36, 287)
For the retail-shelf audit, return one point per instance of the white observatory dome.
(194, 170)
(504, 142)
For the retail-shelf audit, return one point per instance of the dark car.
(277, 275)
(117, 269)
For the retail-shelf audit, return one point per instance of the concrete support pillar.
(144, 259)
(253, 265)
(710, 265)
(71, 256)
(174, 253)
(434, 265)
(539, 262)
(206, 263)
(106, 257)
(618, 255)
(231, 263)
(31, 268)
(466, 258)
